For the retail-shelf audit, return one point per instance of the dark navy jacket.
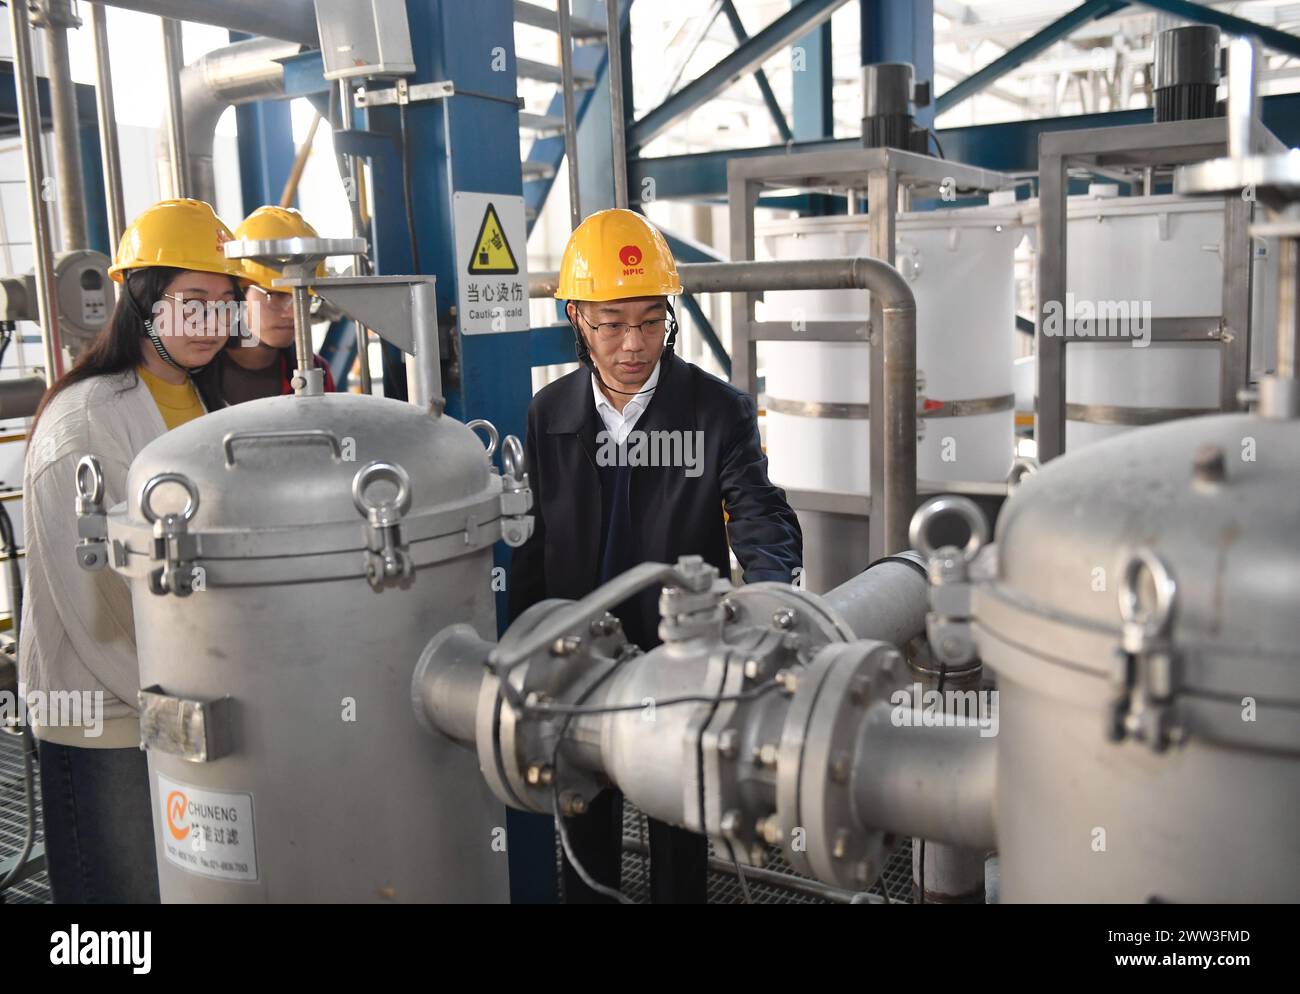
(673, 513)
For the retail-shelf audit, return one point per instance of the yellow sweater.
(177, 403)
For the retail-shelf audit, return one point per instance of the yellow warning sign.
(492, 254)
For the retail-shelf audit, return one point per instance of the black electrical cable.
(565, 844)
(935, 135)
(570, 710)
(407, 192)
(6, 336)
(740, 874)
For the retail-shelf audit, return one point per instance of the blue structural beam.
(265, 152)
(760, 77)
(266, 149)
(688, 250)
(485, 376)
(1010, 146)
(92, 172)
(705, 329)
(810, 63)
(304, 75)
(97, 236)
(1273, 38)
(1061, 28)
(901, 31)
(744, 60)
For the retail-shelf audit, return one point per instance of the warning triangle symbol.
(492, 254)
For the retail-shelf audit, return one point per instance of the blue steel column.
(92, 172)
(265, 148)
(468, 142)
(813, 111)
(901, 31)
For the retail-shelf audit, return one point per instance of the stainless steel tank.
(287, 559)
(1142, 624)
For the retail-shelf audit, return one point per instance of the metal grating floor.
(13, 821)
(894, 885)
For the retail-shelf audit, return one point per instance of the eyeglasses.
(188, 315)
(612, 330)
(283, 300)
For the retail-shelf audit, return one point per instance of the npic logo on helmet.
(630, 256)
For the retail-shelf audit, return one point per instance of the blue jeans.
(98, 825)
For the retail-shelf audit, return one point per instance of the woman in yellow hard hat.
(131, 385)
(261, 360)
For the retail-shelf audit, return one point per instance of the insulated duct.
(237, 74)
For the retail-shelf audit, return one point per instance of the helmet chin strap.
(583, 352)
(154, 338)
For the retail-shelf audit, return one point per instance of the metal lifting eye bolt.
(940, 507)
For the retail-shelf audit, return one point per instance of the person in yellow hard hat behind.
(632, 458)
(77, 650)
(261, 360)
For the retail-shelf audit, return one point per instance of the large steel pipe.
(887, 601)
(56, 17)
(929, 781)
(288, 20)
(896, 338)
(20, 397)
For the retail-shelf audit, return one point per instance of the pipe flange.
(806, 619)
(816, 760)
(516, 749)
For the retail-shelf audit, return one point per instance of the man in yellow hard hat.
(260, 363)
(633, 458)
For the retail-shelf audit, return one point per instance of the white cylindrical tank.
(1149, 258)
(330, 538)
(960, 263)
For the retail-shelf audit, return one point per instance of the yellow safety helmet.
(616, 254)
(268, 223)
(183, 234)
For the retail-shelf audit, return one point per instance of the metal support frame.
(745, 59)
(881, 172)
(1007, 147)
(1169, 143)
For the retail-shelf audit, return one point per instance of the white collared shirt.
(618, 423)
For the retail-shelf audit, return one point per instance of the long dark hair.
(120, 345)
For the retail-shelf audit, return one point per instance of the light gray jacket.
(78, 633)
